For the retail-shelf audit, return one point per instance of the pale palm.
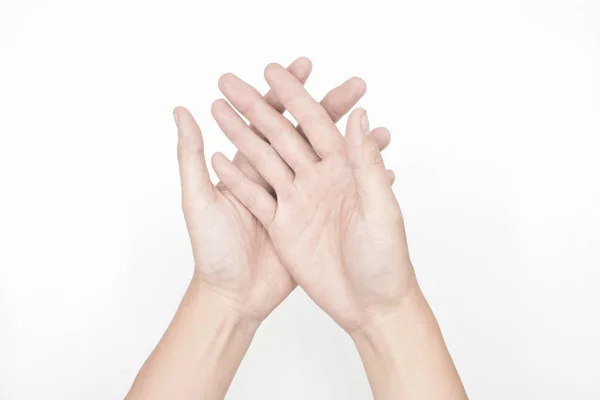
(335, 224)
(233, 253)
(234, 256)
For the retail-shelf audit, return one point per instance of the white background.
(494, 109)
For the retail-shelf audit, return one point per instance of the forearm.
(405, 356)
(199, 353)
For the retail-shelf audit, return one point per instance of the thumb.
(364, 155)
(196, 188)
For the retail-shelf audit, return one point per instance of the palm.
(234, 255)
(335, 222)
(333, 249)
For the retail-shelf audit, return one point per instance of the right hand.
(234, 257)
(335, 222)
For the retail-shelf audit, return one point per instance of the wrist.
(218, 309)
(405, 356)
(200, 352)
(383, 330)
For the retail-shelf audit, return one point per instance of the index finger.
(310, 114)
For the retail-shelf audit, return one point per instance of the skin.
(238, 276)
(335, 223)
(233, 254)
(337, 227)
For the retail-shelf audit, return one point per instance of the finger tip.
(225, 79)
(391, 175)
(307, 66)
(305, 62)
(214, 159)
(381, 130)
(177, 110)
(388, 135)
(182, 117)
(217, 105)
(358, 112)
(381, 136)
(385, 132)
(271, 68)
(301, 68)
(360, 84)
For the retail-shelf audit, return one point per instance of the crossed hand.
(304, 206)
(299, 205)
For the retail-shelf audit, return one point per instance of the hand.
(335, 222)
(234, 257)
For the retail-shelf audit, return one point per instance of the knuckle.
(249, 109)
(237, 184)
(316, 119)
(288, 98)
(251, 200)
(280, 132)
(294, 101)
(263, 156)
(185, 149)
(180, 151)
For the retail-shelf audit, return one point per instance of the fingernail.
(176, 117)
(364, 123)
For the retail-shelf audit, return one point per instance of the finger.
(311, 115)
(253, 196)
(390, 175)
(196, 187)
(337, 102)
(301, 69)
(381, 136)
(259, 153)
(341, 99)
(371, 178)
(296, 152)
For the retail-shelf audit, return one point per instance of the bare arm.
(238, 277)
(405, 356)
(200, 351)
(339, 231)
